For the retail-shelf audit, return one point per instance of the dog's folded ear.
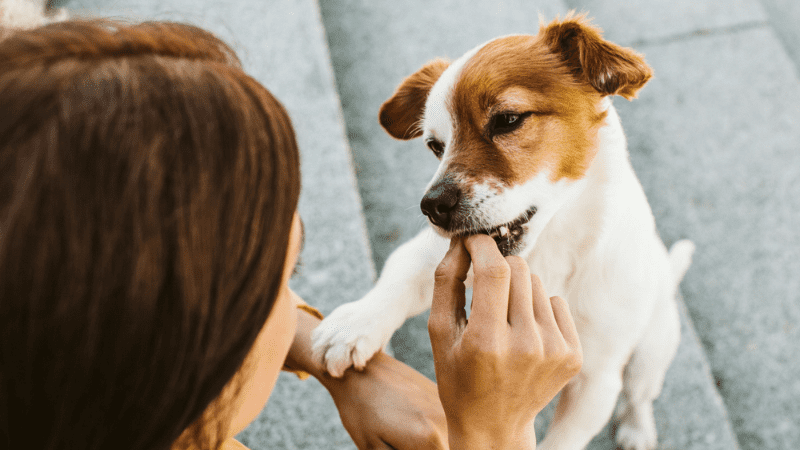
(401, 115)
(607, 67)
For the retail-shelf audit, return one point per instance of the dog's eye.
(436, 146)
(506, 122)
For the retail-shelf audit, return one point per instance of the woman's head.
(148, 187)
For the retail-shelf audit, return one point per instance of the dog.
(533, 154)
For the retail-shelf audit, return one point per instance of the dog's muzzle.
(508, 236)
(440, 201)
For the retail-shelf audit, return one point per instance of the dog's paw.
(631, 437)
(350, 336)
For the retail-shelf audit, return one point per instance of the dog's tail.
(680, 258)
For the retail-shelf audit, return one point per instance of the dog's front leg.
(355, 331)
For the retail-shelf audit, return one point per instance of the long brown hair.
(147, 188)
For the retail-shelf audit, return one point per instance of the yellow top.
(314, 312)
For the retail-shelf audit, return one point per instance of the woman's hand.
(496, 371)
(389, 405)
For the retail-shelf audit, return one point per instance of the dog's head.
(515, 124)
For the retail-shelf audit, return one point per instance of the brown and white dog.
(532, 153)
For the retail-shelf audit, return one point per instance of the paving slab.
(715, 141)
(282, 44)
(632, 21)
(784, 17)
(373, 47)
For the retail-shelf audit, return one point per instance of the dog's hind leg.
(644, 376)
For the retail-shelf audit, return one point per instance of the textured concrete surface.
(371, 55)
(784, 17)
(630, 22)
(282, 44)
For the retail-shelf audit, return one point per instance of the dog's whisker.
(414, 127)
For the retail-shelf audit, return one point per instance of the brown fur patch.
(520, 74)
(401, 115)
(609, 68)
(560, 88)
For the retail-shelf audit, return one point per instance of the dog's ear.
(607, 67)
(400, 116)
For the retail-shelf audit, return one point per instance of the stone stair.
(714, 139)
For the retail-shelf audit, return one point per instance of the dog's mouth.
(508, 236)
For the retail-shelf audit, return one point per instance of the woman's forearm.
(300, 355)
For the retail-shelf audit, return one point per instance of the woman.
(148, 230)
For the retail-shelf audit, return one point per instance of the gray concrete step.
(282, 44)
(373, 47)
(784, 17)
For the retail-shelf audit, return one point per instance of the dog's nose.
(439, 202)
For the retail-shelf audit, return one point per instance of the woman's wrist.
(498, 438)
(300, 354)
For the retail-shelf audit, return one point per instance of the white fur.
(22, 14)
(437, 117)
(592, 242)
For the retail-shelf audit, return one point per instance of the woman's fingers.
(542, 309)
(525, 365)
(492, 281)
(563, 318)
(503, 293)
(447, 310)
(520, 311)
